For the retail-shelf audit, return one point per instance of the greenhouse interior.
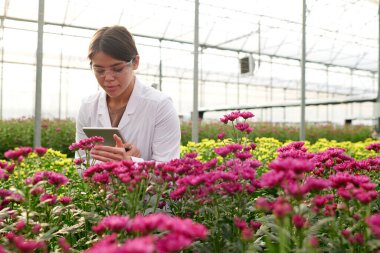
(341, 56)
(247, 126)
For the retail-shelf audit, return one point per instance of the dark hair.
(116, 41)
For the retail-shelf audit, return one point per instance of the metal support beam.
(195, 118)
(39, 56)
(303, 72)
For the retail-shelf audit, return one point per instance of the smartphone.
(105, 132)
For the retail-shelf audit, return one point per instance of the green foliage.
(55, 134)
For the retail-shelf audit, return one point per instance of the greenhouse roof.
(339, 33)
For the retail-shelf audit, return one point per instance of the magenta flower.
(50, 199)
(374, 146)
(222, 151)
(64, 245)
(178, 193)
(346, 233)
(79, 161)
(86, 144)
(298, 221)
(246, 115)
(40, 150)
(3, 175)
(37, 190)
(24, 245)
(56, 179)
(314, 241)
(143, 244)
(221, 135)
(242, 126)
(36, 228)
(281, 207)
(173, 243)
(65, 200)
(373, 222)
(112, 223)
(191, 155)
(20, 225)
(18, 153)
(243, 155)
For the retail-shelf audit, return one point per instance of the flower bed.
(231, 195)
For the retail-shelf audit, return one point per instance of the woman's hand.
(121, 151)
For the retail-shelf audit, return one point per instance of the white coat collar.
(132, 105)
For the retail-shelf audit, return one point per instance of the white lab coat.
(149, 122)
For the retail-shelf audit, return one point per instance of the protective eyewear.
(115, 71)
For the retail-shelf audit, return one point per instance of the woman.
(146, 117)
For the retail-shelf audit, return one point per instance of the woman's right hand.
(129, 148)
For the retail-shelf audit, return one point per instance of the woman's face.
(115, 76)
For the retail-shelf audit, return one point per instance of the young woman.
(145, 116)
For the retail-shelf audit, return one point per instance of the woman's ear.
(136, 62)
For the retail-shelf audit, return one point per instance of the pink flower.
(246, 115)
(247, 234)
(314, 241)
(281, 207)
(64, 245)
(173, 242)
(86, 144)
(242, 126)
(346, 233)
(50, 199)
(24, 245)
(113, 223)
(17, 153)
(102, 178)
(239, 223)
(222, 151)
(107, 244)
(374, 146)
(56, 179)
(263, 204)
(373, 222)
(79, 161)
(255, 224)
(20, 225)
(3, 175)
(38, 190)
(65, 200)
(191, 155)
(40, 150)
(36, 228)
(298, 221)
(221, 135)
(143, 244)
(243, 155)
